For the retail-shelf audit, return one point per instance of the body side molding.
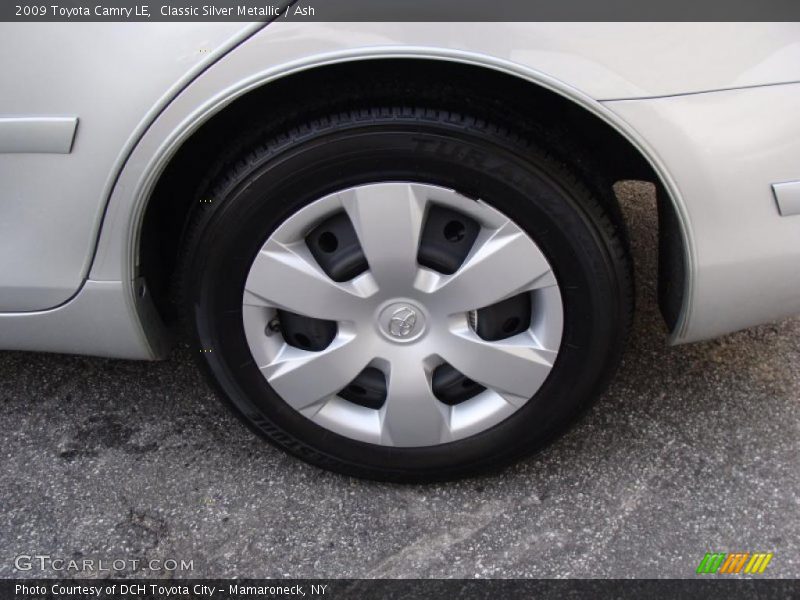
(787, 195)
(37, 134)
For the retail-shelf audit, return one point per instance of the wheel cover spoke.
(513, 368)
(287, 277)
(304, 378)
(503, 263)
(412, 416)
(388, 220)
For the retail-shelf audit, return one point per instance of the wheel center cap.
(401, 321)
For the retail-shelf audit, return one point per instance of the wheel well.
(601, 154)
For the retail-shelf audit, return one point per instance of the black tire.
(477, 158)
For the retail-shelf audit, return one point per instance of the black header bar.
(399, 10)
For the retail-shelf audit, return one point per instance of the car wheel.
(404, 293)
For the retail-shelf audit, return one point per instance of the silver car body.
(91, 114)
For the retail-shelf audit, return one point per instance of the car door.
(74, 101)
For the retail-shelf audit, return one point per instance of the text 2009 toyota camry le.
(394, 247)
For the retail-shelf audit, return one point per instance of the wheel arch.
(160, 214)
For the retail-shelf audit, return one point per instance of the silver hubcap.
(402, 318)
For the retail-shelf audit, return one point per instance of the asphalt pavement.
(693, 449)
